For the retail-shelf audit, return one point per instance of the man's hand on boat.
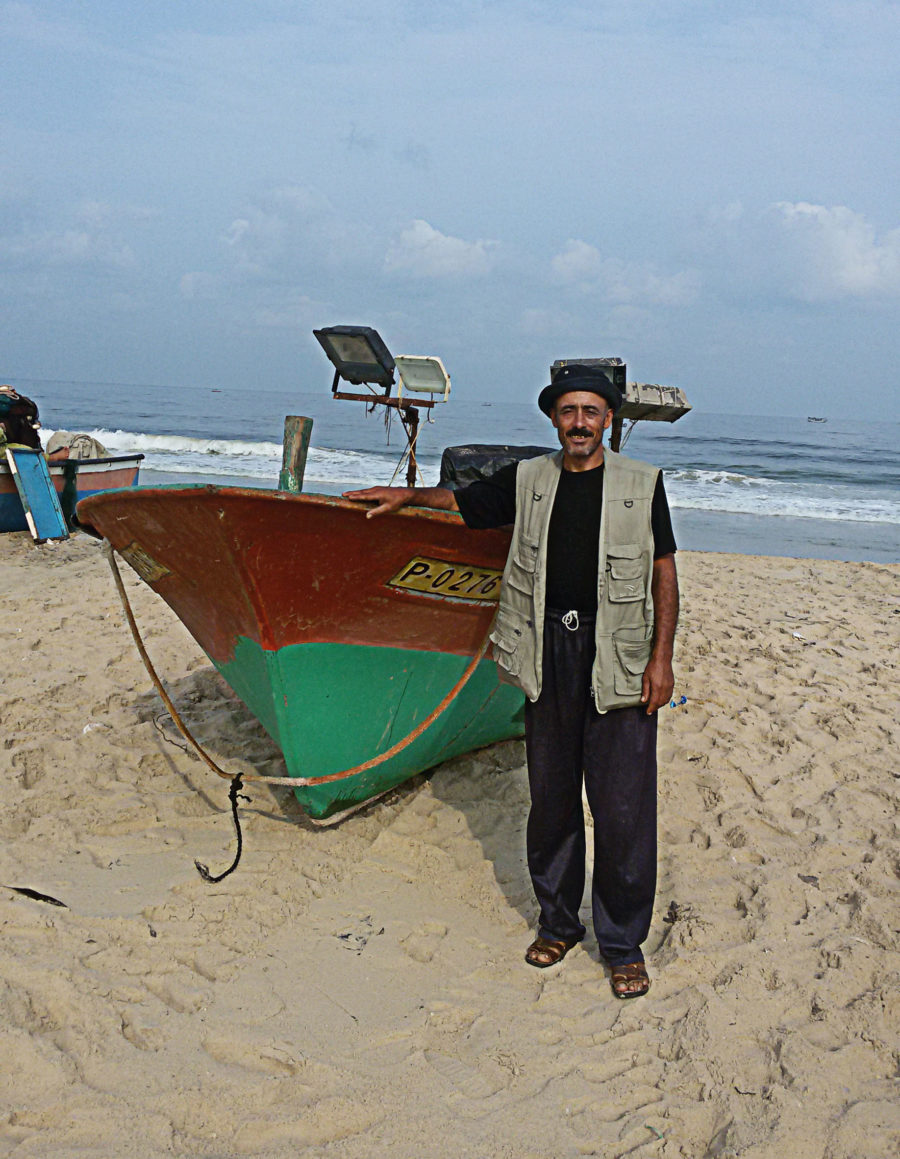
(393, 498)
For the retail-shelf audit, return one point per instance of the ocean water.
(759, 484)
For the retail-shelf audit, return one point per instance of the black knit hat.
(576, 377)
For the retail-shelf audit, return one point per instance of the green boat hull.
(330, 707)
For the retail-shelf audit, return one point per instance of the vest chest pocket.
(524, 561)
(625, 573)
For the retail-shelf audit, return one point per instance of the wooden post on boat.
(412, 430)
(297, 431)
(615, 434)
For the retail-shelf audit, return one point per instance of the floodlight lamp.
(358, 355)
(423, 375)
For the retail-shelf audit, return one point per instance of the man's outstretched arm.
(659, 679)
(393, 498)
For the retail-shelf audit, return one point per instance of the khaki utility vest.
(624, 625)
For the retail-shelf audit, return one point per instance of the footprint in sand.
(472, 1083)
(356, 937)
(29, 766)
(177, 995)
(259, 1058)
(141, 1032)
(422, 944)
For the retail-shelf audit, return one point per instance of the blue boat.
(74, 480)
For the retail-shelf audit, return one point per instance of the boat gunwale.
(58, 464)
(311, 498)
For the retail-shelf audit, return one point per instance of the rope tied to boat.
(238, 779)
(233, 793)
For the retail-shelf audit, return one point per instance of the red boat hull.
(341, 633)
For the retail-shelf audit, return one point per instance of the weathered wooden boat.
(73, 479)
(341, 634)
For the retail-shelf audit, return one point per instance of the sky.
(708, 190)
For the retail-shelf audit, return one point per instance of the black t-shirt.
(574, 534)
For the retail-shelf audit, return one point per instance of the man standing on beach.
(585, 627)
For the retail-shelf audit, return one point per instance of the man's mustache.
(578, 432)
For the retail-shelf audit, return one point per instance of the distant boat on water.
(815, 419)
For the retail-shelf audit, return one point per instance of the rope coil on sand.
(238, 779)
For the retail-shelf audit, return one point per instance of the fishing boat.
(342, 635)
(73, 479)
(359, 644)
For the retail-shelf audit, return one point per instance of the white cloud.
(726, 215)
(578, 262)
(103, 215)
(197, 285)
(296, 311)
(290, 229)
(424, 252)
(547, 322)
(583, 266)
(68, 247)
(91, 234)
(829, 253)
(23, 22)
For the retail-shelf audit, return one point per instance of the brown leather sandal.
(544, 952)
(623, 976)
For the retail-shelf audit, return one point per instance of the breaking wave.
(751, 495)
(249, 460)
(258, 463)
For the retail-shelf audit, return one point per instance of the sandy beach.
(361, 991)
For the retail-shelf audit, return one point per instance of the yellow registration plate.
(437, 577)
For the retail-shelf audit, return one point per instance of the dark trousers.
(614, 753)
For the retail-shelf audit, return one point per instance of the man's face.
(580, 418)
